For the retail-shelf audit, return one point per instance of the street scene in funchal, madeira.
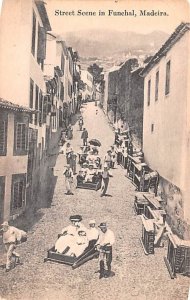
(94, 150)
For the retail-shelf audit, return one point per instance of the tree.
(96, 71)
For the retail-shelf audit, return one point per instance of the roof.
(177, 34)
(43, 14)
(15, 107)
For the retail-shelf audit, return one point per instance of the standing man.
(11, 235)
(68, 173)
(108, 159)
(81, 123)
(73, 161)
(104, 245)
(84, 136)
(105, 177)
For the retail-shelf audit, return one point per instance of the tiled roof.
(177, 34)
(15, 107)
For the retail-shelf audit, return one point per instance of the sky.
(177, 10)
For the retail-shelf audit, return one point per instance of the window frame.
(149, 92)
(157, 79)
(4, 120)
(18, 178)
(168, 78)
(34, 27)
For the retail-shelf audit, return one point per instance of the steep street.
(136, 275)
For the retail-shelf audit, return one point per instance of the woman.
(78, 247)
(113, 157)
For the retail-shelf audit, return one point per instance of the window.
(31, 92)
(41, 50)
(152, 128)
(33, 33)
(18, 191)
(3, 137)
(40, 107)
(149, 87)
(36, 104)
(156, 85)
(62, 63)
(167, 85)
(21, 136)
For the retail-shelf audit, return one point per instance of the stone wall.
(173, 202)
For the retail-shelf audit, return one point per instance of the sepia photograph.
(94, 150)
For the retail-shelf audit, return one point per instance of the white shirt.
(92, 234)
(106, 238)
(73, 230)
(12, 235)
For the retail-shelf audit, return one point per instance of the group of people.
(76, 238)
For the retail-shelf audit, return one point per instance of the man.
(73, 161)
(11, 235)
(105, 177)
(80, 123)
(92, 233)
(104, 245)
(68, 173)
(108, 159)
(84, 136)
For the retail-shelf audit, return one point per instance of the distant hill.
(101, 43)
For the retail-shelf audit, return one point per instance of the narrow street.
(136, 275)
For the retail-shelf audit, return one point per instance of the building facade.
(22, 56)
(14, 126)
(87, 78)
(166, 131)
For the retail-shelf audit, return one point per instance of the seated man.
(81, 243)
(80, 177)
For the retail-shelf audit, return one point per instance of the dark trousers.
(105, 185)
(85, 142)
(105, 260)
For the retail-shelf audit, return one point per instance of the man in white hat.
(92, 233)
(105, 177)
(11, 235)
(104, 245)
(68, 173)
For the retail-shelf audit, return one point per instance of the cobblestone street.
(137, 276)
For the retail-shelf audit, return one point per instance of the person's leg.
(10, 249)
(101, 262)
(108, 262)
(67, 185)
(106, 185)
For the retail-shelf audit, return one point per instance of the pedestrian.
(92, 233)
(68, 150)
(73, 161)
(81, 123)
(70, 132)
(68, 173)
(105, 177)
(11, 237)
(84, 136)
(108, 159)
(104, 245)
(113, 157)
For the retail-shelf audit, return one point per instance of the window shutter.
(62, 91)
(3, 134)
(41, 54)
(21, 136)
